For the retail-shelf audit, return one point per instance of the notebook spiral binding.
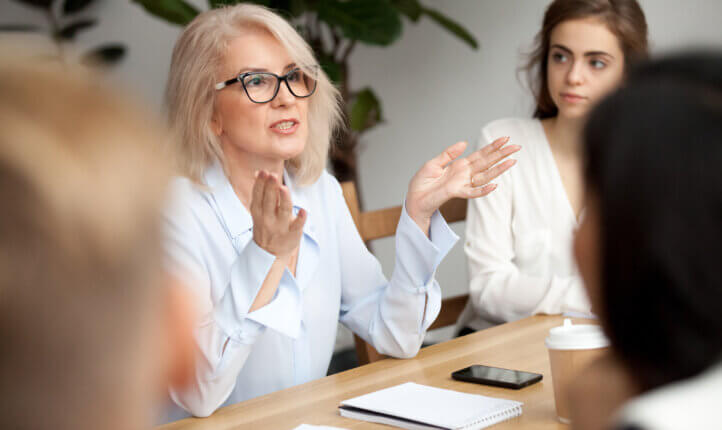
(497, 417)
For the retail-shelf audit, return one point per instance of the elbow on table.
(202, 411)
(411, 353)
(196, 405)
(406, 350)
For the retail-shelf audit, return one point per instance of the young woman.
(262, 233)
(650, 247)
(518, 241)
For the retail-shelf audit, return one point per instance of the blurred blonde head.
(82, 187)
(196, 67)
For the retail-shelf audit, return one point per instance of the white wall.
(435, 90)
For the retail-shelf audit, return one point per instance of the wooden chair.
(382, 223)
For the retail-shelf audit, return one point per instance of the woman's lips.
(572, 98)
(285, 126)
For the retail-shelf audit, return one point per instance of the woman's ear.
(179, 323)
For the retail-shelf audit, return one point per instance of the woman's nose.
(575, 76)
(284, 96)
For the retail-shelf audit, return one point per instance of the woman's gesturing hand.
(447, 176)
(275, 229)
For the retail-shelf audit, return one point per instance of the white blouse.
(290, 341)
(688, 404)
(519, 238)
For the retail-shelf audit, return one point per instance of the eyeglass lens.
(261, 87)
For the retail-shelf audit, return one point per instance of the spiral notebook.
(414, 406)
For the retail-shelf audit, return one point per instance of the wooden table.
(518, 345)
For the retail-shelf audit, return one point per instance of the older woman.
(262, 233)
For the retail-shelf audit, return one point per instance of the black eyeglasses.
(262, 87)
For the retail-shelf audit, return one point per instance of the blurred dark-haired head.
(650, 249)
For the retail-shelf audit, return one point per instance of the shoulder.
(186, 200)
(513, 127)
(182, 188)
(325, 187)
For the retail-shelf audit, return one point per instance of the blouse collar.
(236, 217)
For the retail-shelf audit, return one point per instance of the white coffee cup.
(572, 347)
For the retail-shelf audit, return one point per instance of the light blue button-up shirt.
(290, 341)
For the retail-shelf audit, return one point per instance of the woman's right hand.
(275, 229)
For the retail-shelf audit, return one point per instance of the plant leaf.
(365, 110)
(72, 6)
(18, 27)
(375, 22)
(286, 8)
(451, 26)
(219, 3)
(292, 8)
(104, 55)
(68, 32)
(45, 4)
(330, 67)
(174, 11)
(411, 8)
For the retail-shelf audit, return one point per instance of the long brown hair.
(624, 18)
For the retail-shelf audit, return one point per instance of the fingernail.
(499, 143)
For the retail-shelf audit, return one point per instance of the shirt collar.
(236, 217)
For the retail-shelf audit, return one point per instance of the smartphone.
(496, 376)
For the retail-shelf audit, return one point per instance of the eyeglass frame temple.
(219, 86)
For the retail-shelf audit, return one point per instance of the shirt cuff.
(418, 255)
(284, 313)
(247, 275)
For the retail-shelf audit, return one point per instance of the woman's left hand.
(447, 176)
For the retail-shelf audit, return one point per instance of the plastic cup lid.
(576, 336)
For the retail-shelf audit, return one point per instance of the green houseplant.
(65, 19)
(333, 28)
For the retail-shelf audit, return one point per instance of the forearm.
(219, 360)
(396, 317)
(503, 295)
(422, 220)
(270, 284)
(226, 333)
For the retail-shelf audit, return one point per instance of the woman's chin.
(577, 112)
(290, 148)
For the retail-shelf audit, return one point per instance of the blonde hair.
(195, 69)
(82, 188)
